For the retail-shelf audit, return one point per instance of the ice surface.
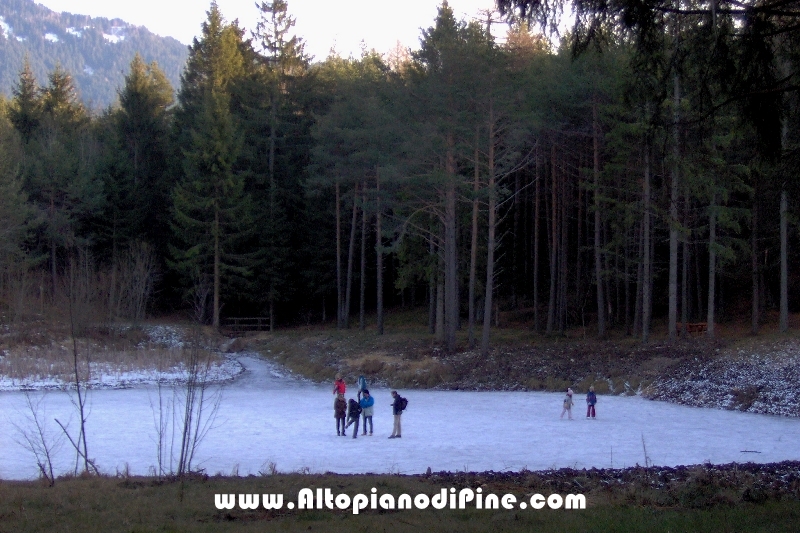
(267, 415)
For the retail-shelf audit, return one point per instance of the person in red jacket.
(338, 386)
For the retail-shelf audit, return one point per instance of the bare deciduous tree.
(36, 437)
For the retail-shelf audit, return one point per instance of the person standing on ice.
(340, 412)
(398, 405)
(591, 399)
(362, 386)
(367, 407)
(567, 404)
(353, 415)
(338, 386)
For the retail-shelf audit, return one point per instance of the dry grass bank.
(746, 498)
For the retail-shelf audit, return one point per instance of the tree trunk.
(490, 245)
(432, 288)
(515, 244)
(712, 267)
(536, 247)
(216, 268)
(673, 217)
(563, 278)
(627, 281)
(784, 305)
(754, 318)
(350, 253)
(473, 254)
(598, 272)
(551, 304)
(637, 306)
(450, 250)
(363, 277)
(379, 250)
(53, 270)
(579, 243)
(647, 279)
(338, 258)
(440, 297)
(685, 270)
(272, 198)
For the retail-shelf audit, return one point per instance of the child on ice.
(567, 404)
(591, 399)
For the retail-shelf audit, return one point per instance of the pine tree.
(26, 109)
(275, 116)
(212, 213)
(138, 180)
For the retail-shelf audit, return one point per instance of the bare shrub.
(183, 419)
(130, 281)
(36, 437)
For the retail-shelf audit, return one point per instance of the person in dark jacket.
(591, 400)
(397, 411)
(340, 412)
(367, 406)
(353, 415)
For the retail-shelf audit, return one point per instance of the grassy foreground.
(702, 501)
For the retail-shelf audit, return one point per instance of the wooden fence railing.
(245, 324)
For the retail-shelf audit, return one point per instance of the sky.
(323, 24)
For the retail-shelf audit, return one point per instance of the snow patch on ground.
(763, 383)
(107, 376)
(52, 37)
(166, 336)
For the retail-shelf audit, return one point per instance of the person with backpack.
(367, 406)
(591, 400)
(339, 413)
(353, 415)
(398, 406)
(362, 386)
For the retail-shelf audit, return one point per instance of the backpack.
(403, 403)
(353, 409)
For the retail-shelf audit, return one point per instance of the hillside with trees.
(637, 177)
(95, 51)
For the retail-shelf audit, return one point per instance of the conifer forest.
(635, 175)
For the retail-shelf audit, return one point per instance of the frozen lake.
(266, 417)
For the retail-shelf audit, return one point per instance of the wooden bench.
(693, 327)
(236, 325)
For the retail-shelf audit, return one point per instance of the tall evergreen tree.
(275, 114)
(26, 111)
(212, 212)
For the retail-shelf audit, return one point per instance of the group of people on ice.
(591, 400)
(353, 411)
(349, 413)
